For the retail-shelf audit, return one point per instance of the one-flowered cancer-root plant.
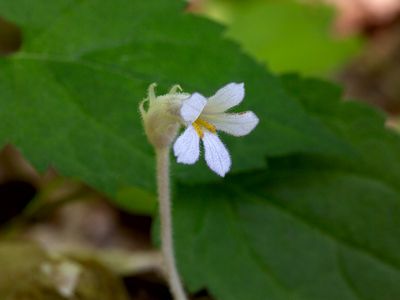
(203, 118)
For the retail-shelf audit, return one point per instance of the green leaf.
(69, 98)
(292, 233)
(376, 151)
(311, 226)
(290, 36)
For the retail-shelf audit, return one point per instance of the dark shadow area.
(148, 286)
(10, 38)
(14, 197)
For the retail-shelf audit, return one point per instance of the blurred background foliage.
(353, 42)
(318, 220)
(286, 35)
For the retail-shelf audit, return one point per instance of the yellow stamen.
(206, 125)
(199, 126)
(198, 129)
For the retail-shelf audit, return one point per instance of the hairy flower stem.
(167, 245)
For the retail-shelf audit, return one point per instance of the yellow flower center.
(199, 126)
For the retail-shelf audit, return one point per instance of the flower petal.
(235, 124)
(228, 96)
(217, 156)
(186, 147)
(192, 107)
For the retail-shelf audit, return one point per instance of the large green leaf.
(376, 151)
(311, 226)
(69, 97)
(293, 233)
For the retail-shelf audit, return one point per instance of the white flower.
(203, 117)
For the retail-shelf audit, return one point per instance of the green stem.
(167, 245)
